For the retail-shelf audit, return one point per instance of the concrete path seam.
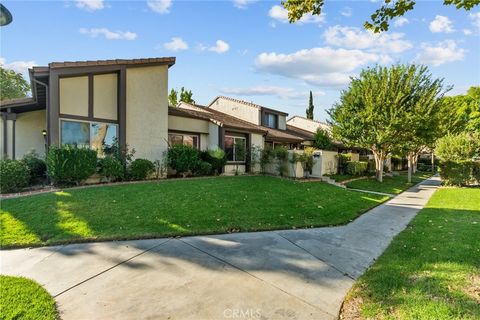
(391, 195)
(319, 259)
(110, 268)
(254, 276)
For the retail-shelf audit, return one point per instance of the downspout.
(47, 120)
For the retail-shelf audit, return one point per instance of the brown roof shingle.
(170, 61)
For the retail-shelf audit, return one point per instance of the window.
(186, 139)
(95, 135)
(235, 148)
(270, 120)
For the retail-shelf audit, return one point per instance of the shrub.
(322, 140)
(14, 174)
(36, 166)
(356, 168)
(424, 167)
(67, 165)
(476, 171)
(182, 158)
(456, 173)
(463, 146)
(281, 154)
(343, 158)
(111, 168)
(265, 159)
(204, 168)
(140, 169)
(216, 158)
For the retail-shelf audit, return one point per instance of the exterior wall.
(28, 133)
(257, 142)
(295, 170)
(147, 111)
(2, 155)
(231, 169)
(306, 124)
(355, 156)
(204, 141)
(238, 110)
(73, 94)
(105, 96)
(326, 162)
(187, 124)
(213, 136)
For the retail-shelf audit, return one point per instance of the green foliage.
(68, 165)
(306, 158)
(343, 159)
(173, 98)
(36, 166)
(310, 108)
(461, 113)
(140, 169)
(322, 140)
(12, 85)
(462, 146)
(265, 158)
(203, 168)
(216, 158)
(185, 96)
(111, 168)
(14, 174)
(356, 168)
(281, 154)
(459, 173)
(183, 159)
(380, 19)
(25, 299)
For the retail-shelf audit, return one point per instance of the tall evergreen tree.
(310, 107)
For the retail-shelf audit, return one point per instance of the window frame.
(234, 149)
(183, 134)
(266, 116)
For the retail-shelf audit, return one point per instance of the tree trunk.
(379, 158)
(415, 162)
(410, 166)
(433, 162)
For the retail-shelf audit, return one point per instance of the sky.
(246, 48)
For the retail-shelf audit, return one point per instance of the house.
(92, 104)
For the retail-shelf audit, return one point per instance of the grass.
(431, 270)
(22, 298)
(342, 177)
(394, 185)
(177, 207)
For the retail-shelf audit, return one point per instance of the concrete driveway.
(292, 274)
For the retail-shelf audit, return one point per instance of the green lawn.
(431, 270)
(177, 207)
(342, 177)
(393, 185)
(25, 299)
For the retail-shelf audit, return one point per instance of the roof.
(250, 104)
(170, 61)
(15, 102)
(304, 118)
(306, 135)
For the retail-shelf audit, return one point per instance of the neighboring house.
(273, 121)
(92, 104)
(307, 125)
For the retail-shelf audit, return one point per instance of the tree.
(461, 113)
(173, 98)
(310, 107)
(185, 96)
(385, 107)
(12, 85)
(380, 19)
(322, 140)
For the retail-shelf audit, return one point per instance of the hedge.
(460, 173)
(356, 168)
(14, 175)
(67, 165)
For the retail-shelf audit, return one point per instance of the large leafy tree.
(461, 113)
(309, 111)
(322, 140)
(379, 20)
(185, 96)
(12, 85)
(384, 108)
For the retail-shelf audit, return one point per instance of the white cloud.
(18, 66)
(176, 44)
(441, 24)
(401, 21)
(318, 66)
(475, 17)
(346, 12)
(220, 47)
(280, 14)
(160, 6)
(442, 52)
(281, 92)
(90, 5)
(467, 32)
(356, 38)
(243, 4)
(108, 34)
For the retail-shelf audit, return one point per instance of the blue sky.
(245, 48)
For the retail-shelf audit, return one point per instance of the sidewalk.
(291, 274)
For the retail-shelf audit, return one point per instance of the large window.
(186, 139)
(235, 148)
(270, 120)
(95, 135)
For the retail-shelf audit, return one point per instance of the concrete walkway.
(293, 274)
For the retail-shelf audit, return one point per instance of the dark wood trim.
(248, 144)
(84, 71)
(13, 138)
(221, 138)
(90, 95)
(53, 110)
(122, 108)
(88, 119)
(4, 119)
